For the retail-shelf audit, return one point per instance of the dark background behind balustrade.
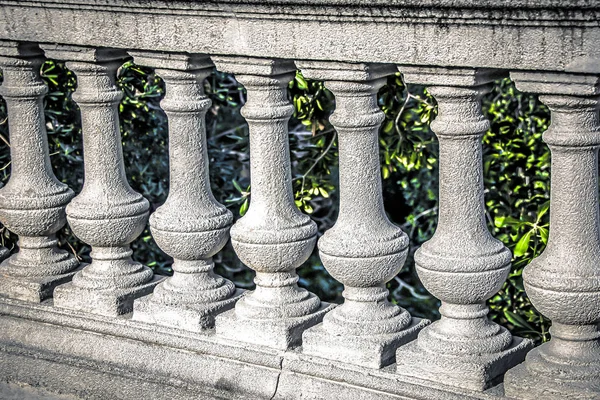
(516, 166)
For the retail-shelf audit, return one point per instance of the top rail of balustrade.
(553, 35)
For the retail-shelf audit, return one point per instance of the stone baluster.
(363, 250)
(462, 264)
(107, 214)
(191, 226)
(274, 237)
(32, 204)
(563, 283)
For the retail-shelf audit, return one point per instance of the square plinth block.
(110, 303)
(279, 334)
(477, 372)
(552, 383)
(373, 351)
(34, 289)
(189, 317)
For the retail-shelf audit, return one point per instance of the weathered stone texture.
(563, 283)
(32, 204)
(97, 357)
(363, 250)
(191, 226)
(107, 214)
(462, 264)
(538, 35)
(273, 237)
(185, 339)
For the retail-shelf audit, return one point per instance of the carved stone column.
(274, 237)
(462, 264)
(191, 226)
(32, 204)
(563, 283)
(107, 214)
(363, 250)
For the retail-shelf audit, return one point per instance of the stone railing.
(110, 329)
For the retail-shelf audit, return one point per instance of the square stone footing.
(470, 372)
(280, 334)
(522, 383)
(33, 289)
(190, 317)
(373, 351)
(110, 303)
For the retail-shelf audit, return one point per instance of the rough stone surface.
(462, 264)
(24, 392)
(33, 288)
(273, 237)
(352, 45)
(32, 204)
(549, 35)
(96, 357)
(373, 351)
(563, 283)
(363, 250)
(107, 214)
(191, 226)
(282, 333)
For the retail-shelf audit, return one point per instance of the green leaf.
(237, 186)
(543, 210)
(324, 193)
(385, 172)
(523, 244)
(517, 320)
(301, 82)
(499, 221)
(543, 234)
(244, 207)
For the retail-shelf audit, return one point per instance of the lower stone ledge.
(95, 357)
(552, 381)
(11, 391)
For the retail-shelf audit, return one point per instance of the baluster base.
(371, 351)
(470, 371)
(280, 333)
(32, 288)
(32, 273)
(190, 317)
(108, 302)
(543, 376)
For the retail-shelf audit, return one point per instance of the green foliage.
(515, 161)
(516, 166)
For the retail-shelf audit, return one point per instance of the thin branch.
(4, 139)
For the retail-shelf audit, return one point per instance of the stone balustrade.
(112, 329)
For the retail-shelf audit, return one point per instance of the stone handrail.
(111, 329)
